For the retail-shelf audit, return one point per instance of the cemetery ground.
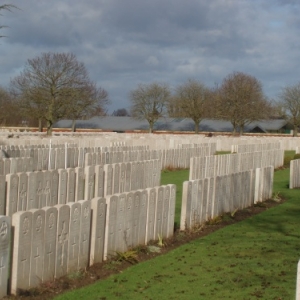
(249, 254)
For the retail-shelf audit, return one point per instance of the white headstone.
(5, 236)
(2, 195)
(22, 223)
(79, 188)
(110, 227)
(62, 186)
(89, 183)
(50, 233)
(128, 234)
(37, 247)
(99, 181)
(98, 206)
(62, 240)
(71, 185)
(12, 194)
(85, 233)
(74, 233)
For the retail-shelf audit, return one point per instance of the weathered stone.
(50, 233)
(98, 206)
(62, 240)
(22, 223)
(110, 227)
(12, 194)
(5, 236)
(37, 247)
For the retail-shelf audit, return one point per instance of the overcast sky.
(127, 42)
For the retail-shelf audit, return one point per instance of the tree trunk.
(196, 127)
(49, 128)
(73, 125)
(295, 132)
(241, 130)
(151, 124)
(40, 125)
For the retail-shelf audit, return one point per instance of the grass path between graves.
(253, 259)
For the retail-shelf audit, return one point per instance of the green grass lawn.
(254, 259)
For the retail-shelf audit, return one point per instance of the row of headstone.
(54, 241)
(211, 166)
(207, 198)
(38, 159)
(255, 147)
(135, 218)
(49, 243)
(294, 174)
(30, 190)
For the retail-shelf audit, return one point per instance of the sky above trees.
(127, 43)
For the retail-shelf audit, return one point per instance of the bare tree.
(8, 7)
(290, 105)
(149, 102)
(10, 113)
(192, 100)
(53, 86)
(86, 102)
(241, 100)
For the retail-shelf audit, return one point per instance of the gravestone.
(186, 205)
(54, 188)
(12, 194)
(71, 185)
(37, 247)
(31, 197)
(108, 180)
(170, 231)
(129, 220)
(136, 214)
(79, 188)
(50, 233)
(159, 212)
(122, 177)
(47, 176)
(2, 195)
(85, 233)
(120, 224)
(166, 207)
(22, 223)
(298, 282)
(116, 178)
(62, 240)
(74, 233)
(98, 206)
(5, 236)
(39, 189)
(89, 190)
(128, 177)
(143, 218)
(62, 186)
(110, 227)
(150, 214)
(99, 181)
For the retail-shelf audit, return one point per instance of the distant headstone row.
(255, 147)
(211, 166)
(38, 159)
(207, 198)
(54, 241)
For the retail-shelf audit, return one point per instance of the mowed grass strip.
(253, 259)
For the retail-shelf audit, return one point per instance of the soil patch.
(101, 271)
